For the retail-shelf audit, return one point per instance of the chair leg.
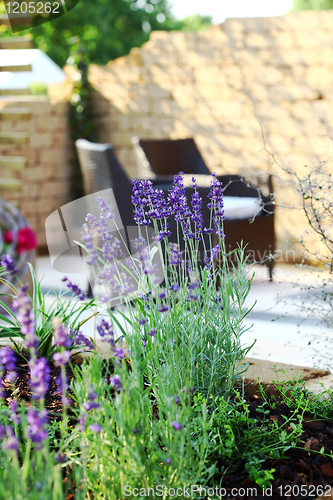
(89, 292)
(270, 265)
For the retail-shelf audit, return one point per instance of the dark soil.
(301, 467)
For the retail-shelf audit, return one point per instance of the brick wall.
(207, 85)
(47, 157)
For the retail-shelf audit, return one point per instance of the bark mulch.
(301, 467)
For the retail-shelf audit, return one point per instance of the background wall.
(208, 84)
(36, 156)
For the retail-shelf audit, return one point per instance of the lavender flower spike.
(36, 429)
(74, 288)
(88, 241)
(176, 425)
(61, 337)
(8, 362)
(39, 377)
(61, 358)
(26, 317)
(9, 264)
(11, 443)
(116, 382)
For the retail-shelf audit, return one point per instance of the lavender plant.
(188, 329)
(134, 422)
(30, 322)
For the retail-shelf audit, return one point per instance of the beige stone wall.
(207, 85)
(48, 153)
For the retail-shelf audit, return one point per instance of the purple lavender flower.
(36, 429)
(152, 332)
(88, 241)
(163, 308)
(11, 443)
(177, 400)
(116, 382)
(111, 250)
(95, 428)
(80, 339)
(208, 262)
(26, 317)
(82, 422)
(162, 295)
(61, 387)
(74, 288)
(60, 458)
(217, 205)
(105, 331)
(61, 358)
(197, 217)
(142, 191)
(215, 251)
(9, 264)
(160, 209)
(14, 417)
(176, 425)
(136, 430)
(168, 461)
(8, 362)
(178, 203)
(91, 403)
(105, 209)
(118, 353)
(140, 246)
(60, 336)
(39, 377)
(107, 334)
(142, 321)
(175, 254)
(175, 287)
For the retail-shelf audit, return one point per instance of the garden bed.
(303, 471)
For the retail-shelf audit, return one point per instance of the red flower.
(26, 239)
(8, 237)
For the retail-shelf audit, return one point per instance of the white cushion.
(237, 207)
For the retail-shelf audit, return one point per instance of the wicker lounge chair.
(165, 157)
(101, 170)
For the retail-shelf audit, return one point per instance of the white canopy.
(43, 68)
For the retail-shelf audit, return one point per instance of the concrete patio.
(283, 332)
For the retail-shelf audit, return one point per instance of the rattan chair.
(101, 170)
(164, 157)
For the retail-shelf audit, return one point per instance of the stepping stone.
(10, 184)
(14, 138)
(15, 92)
(265, 370)
(15, 114)
(23, 67)
(15, 42)
(13, 162)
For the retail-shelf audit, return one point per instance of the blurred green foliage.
(38, 88)
(106, 29)
(312, 5)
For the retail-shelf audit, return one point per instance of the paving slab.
(269, 372)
